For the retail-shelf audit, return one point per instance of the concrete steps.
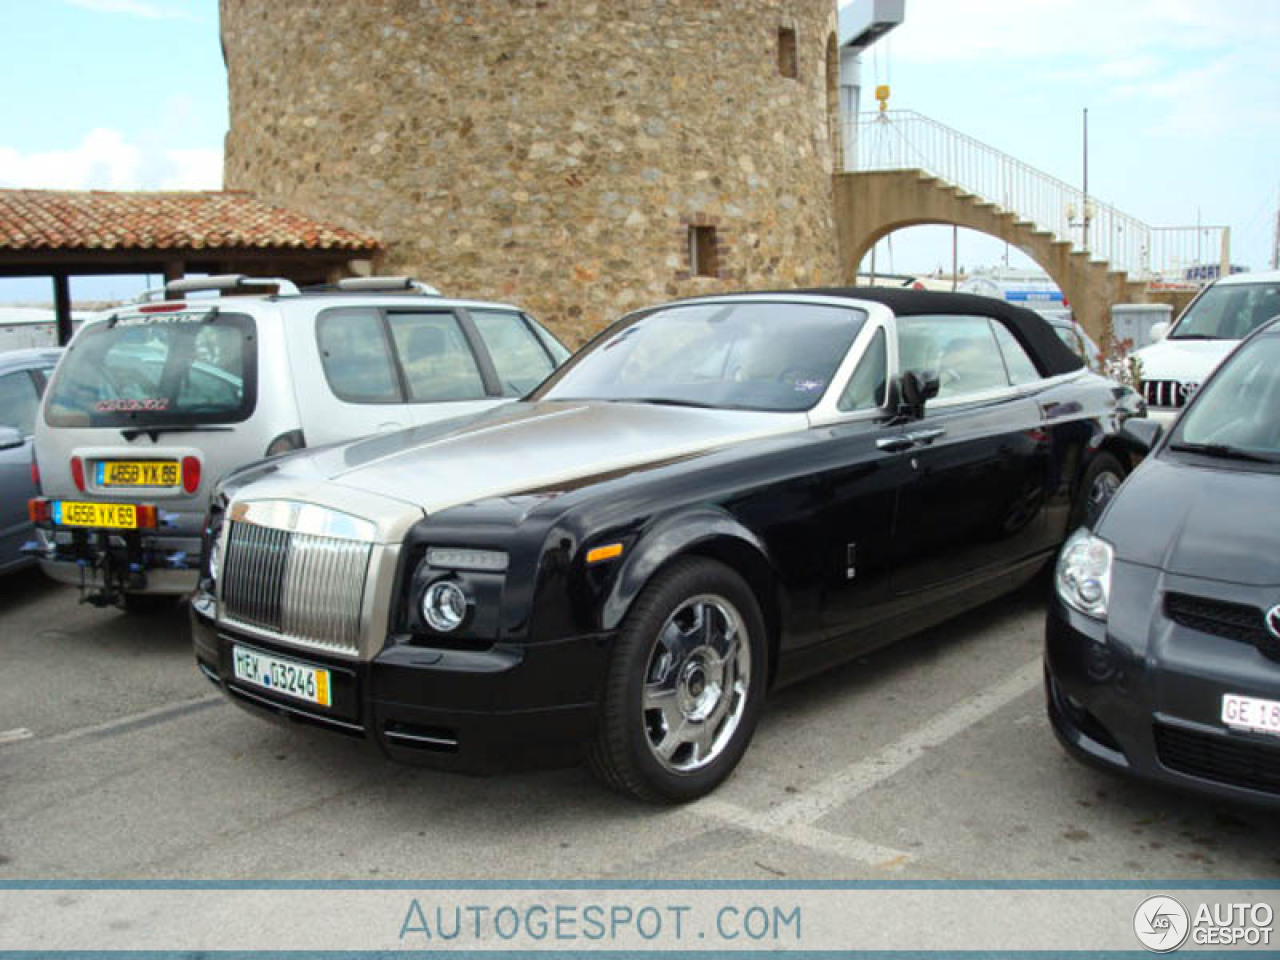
(905, 197)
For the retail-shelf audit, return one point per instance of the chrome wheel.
(696, 683)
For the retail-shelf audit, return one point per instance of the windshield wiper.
(666, 402)
(133, 433)
(1222, 450)
(1195, 336)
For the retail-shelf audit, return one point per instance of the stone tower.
(578, 157)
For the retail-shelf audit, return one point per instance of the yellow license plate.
(138, 473)
(116, 516)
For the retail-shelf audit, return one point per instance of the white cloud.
(198, 169)
(106, 160)
(163, 10)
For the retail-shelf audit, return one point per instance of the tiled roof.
(111, 220)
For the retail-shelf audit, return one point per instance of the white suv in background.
(1223, 314)
(153, 402)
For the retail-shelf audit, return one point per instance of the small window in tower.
(787, 52)
(702, 252)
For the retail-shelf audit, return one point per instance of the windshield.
(1234, 415)
(155, 370)
(758, 356)
(1229, 311)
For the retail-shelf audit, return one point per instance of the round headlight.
(444, 606)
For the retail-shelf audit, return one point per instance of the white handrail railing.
(906, 140)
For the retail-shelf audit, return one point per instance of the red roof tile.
(108, 220)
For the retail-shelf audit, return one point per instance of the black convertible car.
(713, 497)
(1163, 647)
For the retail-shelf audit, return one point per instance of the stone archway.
(871, 205)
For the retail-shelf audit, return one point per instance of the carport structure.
(65, 233)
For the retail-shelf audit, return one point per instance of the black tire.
(623, 754)
(1097, 487)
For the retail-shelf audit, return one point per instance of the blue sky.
(1183, 98)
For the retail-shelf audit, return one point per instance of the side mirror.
(1140, 435)
(11, 437)
(1159, 331)
(916, 387)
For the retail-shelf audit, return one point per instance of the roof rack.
(383, 285)
(226, 283)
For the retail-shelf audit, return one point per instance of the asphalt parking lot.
(929, 760)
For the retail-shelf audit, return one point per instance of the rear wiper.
(1222, 450)
(133, 433)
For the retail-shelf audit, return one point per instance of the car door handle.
(926, 436)
(895, 444)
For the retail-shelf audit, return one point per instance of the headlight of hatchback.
(1083, 575)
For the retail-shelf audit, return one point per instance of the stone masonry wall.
(552, 153)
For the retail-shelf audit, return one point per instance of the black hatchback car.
(1163, 642)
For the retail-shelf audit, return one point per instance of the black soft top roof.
(1047, 351)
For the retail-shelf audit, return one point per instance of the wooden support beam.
(62, 307)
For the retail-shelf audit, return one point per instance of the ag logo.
(1161, 924)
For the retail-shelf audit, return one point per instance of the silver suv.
(155, 401)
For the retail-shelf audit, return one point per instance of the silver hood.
(514, 448)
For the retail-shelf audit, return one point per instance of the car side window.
(519, 358)
(1019, 366)
(436, 359)
(19, 402)
(961, 349)
(866, 387)
(355, 355)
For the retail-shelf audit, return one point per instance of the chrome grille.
(253, 574)
(323, 590)
(1168, 393)
(308, 589)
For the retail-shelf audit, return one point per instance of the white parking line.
(890, 760)
(16, 734)
(802, 834)
(142, 719)
(795, 820)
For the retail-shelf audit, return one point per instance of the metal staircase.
(906, 140)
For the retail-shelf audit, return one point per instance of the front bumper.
(473, 710)
(1142, 695)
